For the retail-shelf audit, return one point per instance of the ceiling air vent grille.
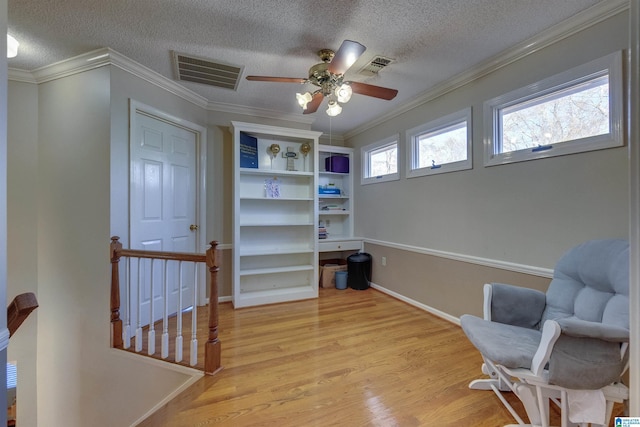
(376, 64)
(201, 70)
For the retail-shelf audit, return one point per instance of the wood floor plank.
(348, 358)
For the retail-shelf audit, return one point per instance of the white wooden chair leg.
(506, 404)
(543, 407)
(528, 398)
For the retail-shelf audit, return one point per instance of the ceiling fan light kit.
(333, 109)
(328, 76)
(343, 93)
(304, 99)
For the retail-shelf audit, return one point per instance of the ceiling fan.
(328, 75)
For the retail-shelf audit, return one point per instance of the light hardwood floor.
(349, 358)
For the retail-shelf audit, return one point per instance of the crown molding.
(18, 75)
(129, 65)
(258, 112)
(107, 56)
(579, 22)
(78, 64)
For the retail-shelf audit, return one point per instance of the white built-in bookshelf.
(335, 211)
(275, 250)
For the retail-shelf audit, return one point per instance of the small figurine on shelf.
(305, 149)
(272, 188)
(290, 155)
(274, 149)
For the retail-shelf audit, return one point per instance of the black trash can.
(359, 271)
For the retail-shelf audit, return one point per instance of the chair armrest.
(550, 334)
(584, 328)
(583, 359)
(513, 305)
(567, 367)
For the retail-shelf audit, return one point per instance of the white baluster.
(138, 316)
(179, 316)
(151, 338)
(194, 318)
(165, 316)
(126, 331)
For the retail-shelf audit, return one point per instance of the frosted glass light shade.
(343, 93)
(334, 108)
(12, 46)
(303, 99)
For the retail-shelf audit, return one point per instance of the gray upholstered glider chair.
(569, 346)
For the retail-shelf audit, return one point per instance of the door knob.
(193, 227)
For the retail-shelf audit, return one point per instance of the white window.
(380, 161)
(571, 112)
(442, 145)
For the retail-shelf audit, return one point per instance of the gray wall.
(526, 214)
(22, 234)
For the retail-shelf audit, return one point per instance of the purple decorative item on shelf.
(338, 164)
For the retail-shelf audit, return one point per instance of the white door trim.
(201, 166)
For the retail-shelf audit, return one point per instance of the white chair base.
(536, 395)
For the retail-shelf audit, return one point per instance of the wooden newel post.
(116, 322)
(212, 362)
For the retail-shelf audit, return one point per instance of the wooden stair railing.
(212, 348)
(19, 309)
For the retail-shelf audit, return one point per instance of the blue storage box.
(329, 190)
(338, 164)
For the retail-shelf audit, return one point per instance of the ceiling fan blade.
(347, 54)
(315, 102)
(276, 79)
(375, 91)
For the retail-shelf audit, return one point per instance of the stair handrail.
(19, 309)
(212, 350)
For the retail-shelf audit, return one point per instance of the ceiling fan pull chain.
(330, 144)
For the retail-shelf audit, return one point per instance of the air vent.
(377, 64)
(205, 71)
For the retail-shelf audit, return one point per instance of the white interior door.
(163, 214)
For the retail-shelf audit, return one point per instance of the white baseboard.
(436, 312)
(220, 299)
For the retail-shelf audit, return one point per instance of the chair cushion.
(585, 363)
(591, 282)
(507, 345)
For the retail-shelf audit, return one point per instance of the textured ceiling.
(430, 40)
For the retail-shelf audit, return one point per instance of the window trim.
(610, 64)
(364, 154)
(452, 119)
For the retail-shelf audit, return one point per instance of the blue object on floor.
(341, 280)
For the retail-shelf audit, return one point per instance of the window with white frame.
(442, 145)
(574, 111)
(380, 161)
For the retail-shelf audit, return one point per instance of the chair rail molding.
(486, 262)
